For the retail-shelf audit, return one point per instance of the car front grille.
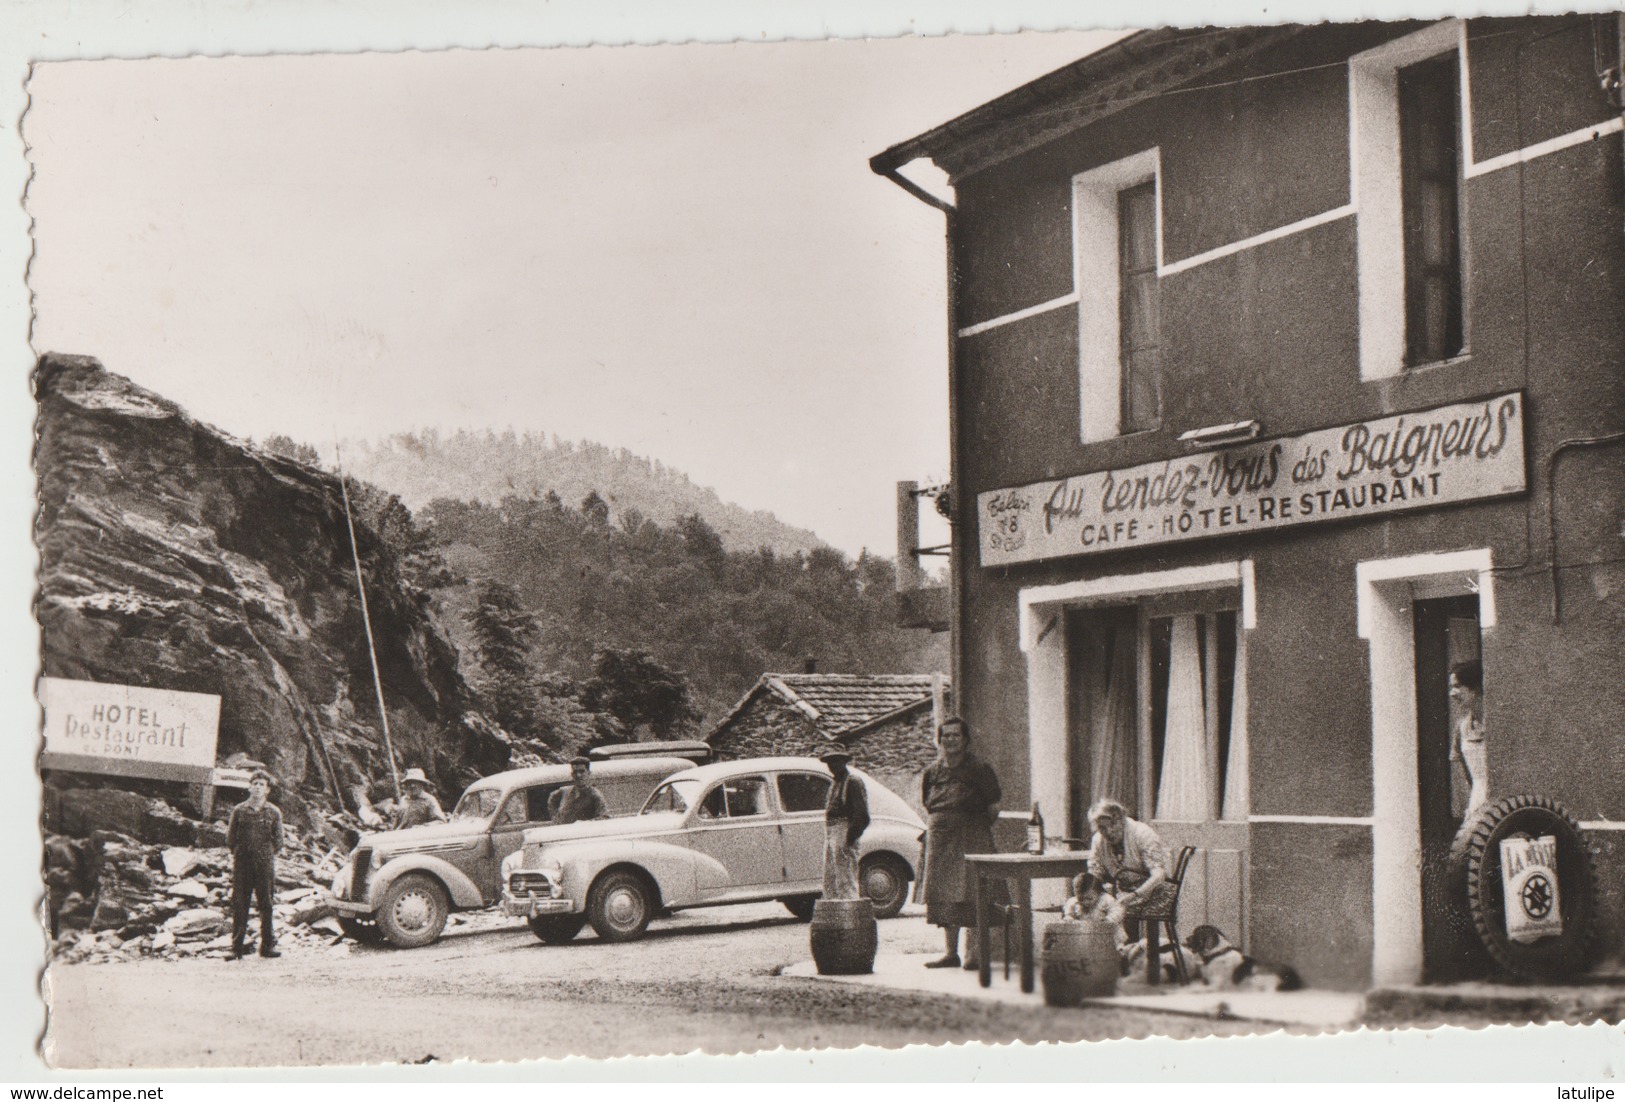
(530, 883)
(361, 866)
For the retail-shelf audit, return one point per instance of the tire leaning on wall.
(1475, 863)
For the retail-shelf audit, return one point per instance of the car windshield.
(477, 803)
(672, 796)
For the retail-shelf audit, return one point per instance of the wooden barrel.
(843, 937)
(1077, 960)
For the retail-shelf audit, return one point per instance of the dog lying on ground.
(1225, 966)
(1168, 955)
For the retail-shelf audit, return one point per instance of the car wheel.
(619, 906)
(801, 906)
(413, 911)
(363, 931)
(556, 929)
(884, 880)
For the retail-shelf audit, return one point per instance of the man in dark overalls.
(254, 836)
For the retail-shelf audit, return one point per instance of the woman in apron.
(961, 797)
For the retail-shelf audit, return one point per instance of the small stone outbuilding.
(883, 720)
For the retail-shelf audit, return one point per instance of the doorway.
(1446, 634)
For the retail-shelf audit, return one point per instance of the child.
(1095, 899)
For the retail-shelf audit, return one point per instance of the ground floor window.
(1158, 709)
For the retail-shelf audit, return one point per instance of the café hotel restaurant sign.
(1451, 454)
(131, 731)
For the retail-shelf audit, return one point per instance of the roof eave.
(1088, 90)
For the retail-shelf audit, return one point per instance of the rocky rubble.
(128, 875)
(114, 897)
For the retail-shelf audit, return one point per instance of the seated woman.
(1128, 855)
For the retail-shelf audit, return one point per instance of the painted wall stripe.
(1332, 820)
(1257, 239)
(1069, 299)
(1541, 149)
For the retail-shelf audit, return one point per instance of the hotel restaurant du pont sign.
(1416, 460)
(129, 730)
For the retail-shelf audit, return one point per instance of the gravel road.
(706, 980)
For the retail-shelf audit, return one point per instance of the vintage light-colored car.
(731, 832)
(399, 885)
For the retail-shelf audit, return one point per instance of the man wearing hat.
(418, 805)
(579, 799)
(254, 835)
(846, 817)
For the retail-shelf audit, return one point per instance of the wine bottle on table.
(1035, 831)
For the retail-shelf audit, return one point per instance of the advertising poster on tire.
(1529, 881)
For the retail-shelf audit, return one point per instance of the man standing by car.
(578, 800)
(418, 805)
(254, 836)
(846, 817)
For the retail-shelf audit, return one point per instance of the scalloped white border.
(63, 29)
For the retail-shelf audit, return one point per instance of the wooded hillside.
(675, 593)
(489, 467)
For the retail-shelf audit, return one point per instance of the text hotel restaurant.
(1285, 372)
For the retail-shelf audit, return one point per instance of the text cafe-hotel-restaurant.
(1287, 374)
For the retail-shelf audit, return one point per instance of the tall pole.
(366, 622)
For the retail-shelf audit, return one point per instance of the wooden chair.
(1167, 922)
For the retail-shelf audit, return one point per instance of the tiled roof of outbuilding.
(840, 703)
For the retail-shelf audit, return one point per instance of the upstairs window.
(1430, 183)
(1139, 304)
(1117, 252)
(1408, 153)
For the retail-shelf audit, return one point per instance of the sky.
(679, 250)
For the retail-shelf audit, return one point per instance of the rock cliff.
(174, 556)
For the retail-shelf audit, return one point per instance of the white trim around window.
(1375, 183)
(1040, 602)
(1095, 275)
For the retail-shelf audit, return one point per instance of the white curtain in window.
(1113, 718)
(1183, 793)
(1235, 770)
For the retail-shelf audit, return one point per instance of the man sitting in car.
(578, 800)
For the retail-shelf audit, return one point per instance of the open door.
(1446, 634)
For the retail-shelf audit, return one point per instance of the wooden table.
(1023, 868)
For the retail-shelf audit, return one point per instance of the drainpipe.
(1551, 501)
(957, 496)
(1613, 80)
(1613, 84)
